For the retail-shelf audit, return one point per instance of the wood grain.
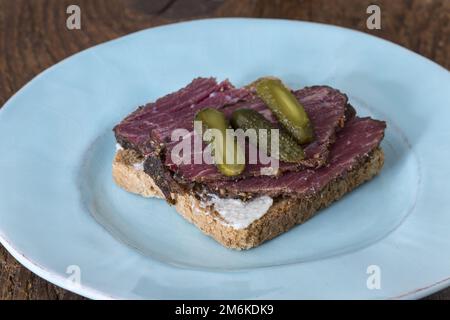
(33, 36)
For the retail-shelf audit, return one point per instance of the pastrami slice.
(327, 109)
(148, 130)
(150, 126)
(354, 143)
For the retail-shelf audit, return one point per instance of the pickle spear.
(229, 156)
(288, 148)
(286, 108)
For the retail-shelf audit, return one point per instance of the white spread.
(118, 147)
(240, 214)
(139, 166)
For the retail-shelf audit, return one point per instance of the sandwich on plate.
(247, 164)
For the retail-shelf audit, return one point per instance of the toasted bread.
(284, 214)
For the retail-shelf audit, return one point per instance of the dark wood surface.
(33, 36)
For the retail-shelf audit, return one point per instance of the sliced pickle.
(225, 145)
(288, 149)
(285, 106)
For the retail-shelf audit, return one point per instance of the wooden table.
(33, 36)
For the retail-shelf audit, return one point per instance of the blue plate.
(63, 218)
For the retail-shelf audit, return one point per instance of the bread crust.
(285, 213)
(127, 177)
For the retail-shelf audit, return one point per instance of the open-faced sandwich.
(247, 164)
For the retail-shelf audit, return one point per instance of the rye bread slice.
(284, 214)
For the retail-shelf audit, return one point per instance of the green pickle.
(288, 148)
(285, 106)
(214, 119)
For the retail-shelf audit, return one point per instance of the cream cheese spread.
(240, 214)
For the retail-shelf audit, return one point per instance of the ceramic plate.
(62, 216)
